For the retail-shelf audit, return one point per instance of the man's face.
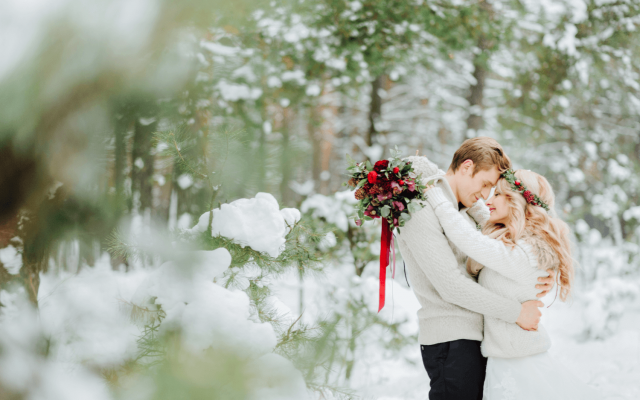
(473, 187)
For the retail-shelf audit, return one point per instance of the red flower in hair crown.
(517, 186)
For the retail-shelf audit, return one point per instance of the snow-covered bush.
(164, 323)
(605, 304)
(349, 294)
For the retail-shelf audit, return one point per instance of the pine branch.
(151, 349)
(139, 313)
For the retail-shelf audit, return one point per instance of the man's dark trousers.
(456, 369)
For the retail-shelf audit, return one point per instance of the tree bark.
(121, 126)
(316, 140)
(287, 173)
(262, 153)
(329, 114)
(375, 108)
(475, 120)
(142, 163)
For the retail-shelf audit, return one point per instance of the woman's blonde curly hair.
(527, 220)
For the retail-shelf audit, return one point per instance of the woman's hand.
(546, 283)
(430, 185)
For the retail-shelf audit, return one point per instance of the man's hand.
(530, 315)
(547, 283)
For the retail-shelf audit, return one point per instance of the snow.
(257, 223)
(245, 72)
(234, 92)
(303, 189)
(185, 181)
(205, 312)
(92, 317)
(334, 209)
(277, 379)
(88, 316)
(11, 259)
(611, 364)
(82, 312)
(297, 75)
(24, 369)
(219, 49)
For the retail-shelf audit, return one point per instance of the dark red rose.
(372, 176)
(381, 165)
(401, 182)
(396, 170)
(385, 185)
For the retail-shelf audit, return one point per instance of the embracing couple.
(477, 270)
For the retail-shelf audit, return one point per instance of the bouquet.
(390, 189)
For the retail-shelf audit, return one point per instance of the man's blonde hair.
(485, 153)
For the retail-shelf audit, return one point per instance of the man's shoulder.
(425, 217)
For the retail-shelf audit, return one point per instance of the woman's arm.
(480, 213)
(491, 253)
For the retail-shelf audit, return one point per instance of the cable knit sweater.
(452, 301)
(511, 272)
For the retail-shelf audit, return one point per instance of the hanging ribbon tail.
(384, 260)
(393, 251)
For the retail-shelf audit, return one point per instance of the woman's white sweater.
(510, 272)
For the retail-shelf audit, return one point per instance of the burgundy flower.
(384, 196)
(397, 189)
(398, 205)
(381, 165)
(367, 212)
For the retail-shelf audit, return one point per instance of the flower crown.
(517, 186)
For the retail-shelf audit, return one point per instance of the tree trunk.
(121, 126)
(287, 173)
(329, 113)
(375, 109)
(316, 140)
(261, 164)
(142, 164)
(475, 121)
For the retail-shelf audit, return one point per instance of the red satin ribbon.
(385, 246)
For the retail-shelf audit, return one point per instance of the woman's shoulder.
(541, 251)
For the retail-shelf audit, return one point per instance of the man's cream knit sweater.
(511, 272)
(452, 302)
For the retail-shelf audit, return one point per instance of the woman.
(521, 239)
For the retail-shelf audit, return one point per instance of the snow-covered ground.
(87, 321)
(611, 366)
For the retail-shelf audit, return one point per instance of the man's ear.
(467, 167)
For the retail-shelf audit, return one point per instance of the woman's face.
(498, 208)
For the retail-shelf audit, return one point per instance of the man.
(453, 304)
